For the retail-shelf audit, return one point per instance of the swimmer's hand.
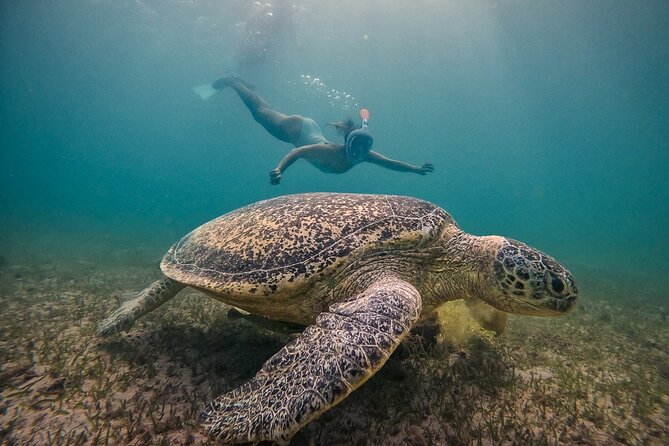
(425, 168)
(275, 177)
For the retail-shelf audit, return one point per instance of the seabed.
(598, 376)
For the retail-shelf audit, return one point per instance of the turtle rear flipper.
(147, 300)
(330, 359)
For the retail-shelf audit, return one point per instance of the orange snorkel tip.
(364, 116)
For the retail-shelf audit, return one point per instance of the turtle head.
(527, 281)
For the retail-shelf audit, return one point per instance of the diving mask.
(359, 142)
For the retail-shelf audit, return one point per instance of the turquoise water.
(546, 121)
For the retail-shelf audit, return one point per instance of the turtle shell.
(285, 241)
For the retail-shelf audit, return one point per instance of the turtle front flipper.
(330, 359)
(147, 300)
(487, 317)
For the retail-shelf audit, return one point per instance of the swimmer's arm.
(291, 157)
(400, 166)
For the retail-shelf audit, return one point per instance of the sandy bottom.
(597, 376)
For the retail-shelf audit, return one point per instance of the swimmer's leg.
(283, 127)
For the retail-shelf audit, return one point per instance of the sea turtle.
(359, 271)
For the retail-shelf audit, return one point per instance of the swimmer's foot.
(221, 83)
(229, 81)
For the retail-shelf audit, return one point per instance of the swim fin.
(205, 91)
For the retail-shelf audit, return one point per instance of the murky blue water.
(546, 121)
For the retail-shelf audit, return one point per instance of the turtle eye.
(555, 283)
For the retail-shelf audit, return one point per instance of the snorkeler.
(307, 137)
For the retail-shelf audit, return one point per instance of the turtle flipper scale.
(330, 359)
(147, 300)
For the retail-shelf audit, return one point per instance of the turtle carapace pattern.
(276, 242)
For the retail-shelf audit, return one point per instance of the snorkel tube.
(362, 132)
(364, 116)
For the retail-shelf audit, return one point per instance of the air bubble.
(335, 98)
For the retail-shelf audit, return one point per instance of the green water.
(546, 121)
